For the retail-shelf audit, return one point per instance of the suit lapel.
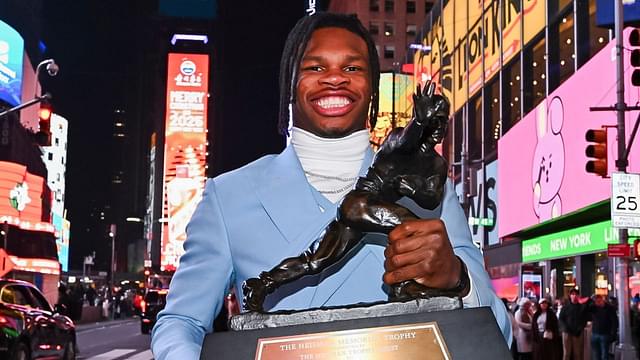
(286, 195)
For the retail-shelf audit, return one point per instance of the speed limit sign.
(625, 200)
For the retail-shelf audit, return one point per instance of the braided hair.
(294, 49)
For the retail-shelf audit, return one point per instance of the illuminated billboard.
(396, 91)
(542, 158)
(21, 198)
(62, 227)
(185, 150)
(11, 53)
(466, 51)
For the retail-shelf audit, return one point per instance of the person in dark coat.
(573, 319)
(547, 343)
(605, 324)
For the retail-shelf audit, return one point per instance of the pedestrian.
(604, 325)
(547, 343)
(573, 319)
(252, 218)
(524, 337)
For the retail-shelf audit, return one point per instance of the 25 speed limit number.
(625, 200)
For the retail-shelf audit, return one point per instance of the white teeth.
(332, 102)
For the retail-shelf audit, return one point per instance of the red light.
(44, 113)
(3, 320)
(143, 306)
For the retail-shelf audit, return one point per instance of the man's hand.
(420, 250)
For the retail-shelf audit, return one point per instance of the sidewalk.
(104, 323)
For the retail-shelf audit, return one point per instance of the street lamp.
(51, 67)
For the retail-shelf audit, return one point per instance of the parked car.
(153, 302)
(30, 328)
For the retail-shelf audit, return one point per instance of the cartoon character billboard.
(542, 158)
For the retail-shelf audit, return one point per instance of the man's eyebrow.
(348, 58)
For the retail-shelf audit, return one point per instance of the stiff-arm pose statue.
(406, 165)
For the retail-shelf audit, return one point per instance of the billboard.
(542, 158)
(184, 151)
(21, 198)
(483, 205)
(11, 53)
(476, 39)
(396, 91)
(581, 240)
(605, 10)
(62, 227)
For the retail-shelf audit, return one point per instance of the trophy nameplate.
(415, 341)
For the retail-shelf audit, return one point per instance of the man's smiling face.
(334, 84)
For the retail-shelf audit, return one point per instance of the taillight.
(143, 306)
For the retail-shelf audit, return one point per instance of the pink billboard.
(542, 160)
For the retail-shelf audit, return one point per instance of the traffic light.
(147, 272)
(634, 42)
(597, 152)
(44, 116)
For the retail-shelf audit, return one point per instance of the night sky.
(94, 43)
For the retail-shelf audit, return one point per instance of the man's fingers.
(398, 261)
(409, 272)
(411, 227)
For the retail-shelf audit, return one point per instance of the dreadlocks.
(294, 49)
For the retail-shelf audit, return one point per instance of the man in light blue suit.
(252, 218)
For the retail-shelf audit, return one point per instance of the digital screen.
(605, 13)
(62, 227)
(185, 150)
(11, 55)
(531, 286)
(542, 157)
(21, 198)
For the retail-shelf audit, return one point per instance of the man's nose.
(334, 78)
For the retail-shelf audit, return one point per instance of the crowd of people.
(114, 303)
(556, 330)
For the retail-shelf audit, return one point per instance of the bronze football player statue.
(406, 165)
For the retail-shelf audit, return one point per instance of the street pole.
(624, 350)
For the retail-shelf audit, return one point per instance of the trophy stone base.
(254, 320)
(416, 330)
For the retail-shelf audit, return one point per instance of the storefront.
(573, 258)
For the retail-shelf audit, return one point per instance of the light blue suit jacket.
(252, 218)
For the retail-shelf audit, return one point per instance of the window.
(511, 103)
(374, 5)
(411, 30)
(374, 28)
(62, 160)
(50, 156)
(15, 295)
(474, 127)
(38, 301)
(534, 83)
(561, 50)
(429, 4)
(411, 7)
(389, 29)
(492, 120)
(589, 38)
(388, 6)
(57, 141)
(389, 51)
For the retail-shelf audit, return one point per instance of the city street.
(120, 339)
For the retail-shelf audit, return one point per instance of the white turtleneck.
(331, 165)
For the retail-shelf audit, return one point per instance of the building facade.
(521, 76)
(27, 230)
(393, 24)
